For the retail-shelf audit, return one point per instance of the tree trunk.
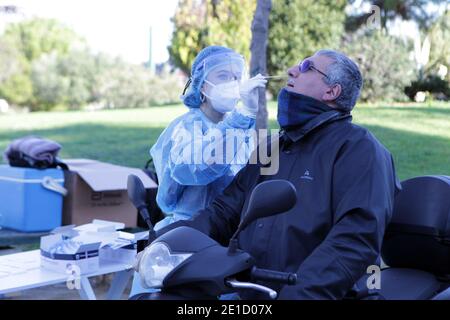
(258, 49)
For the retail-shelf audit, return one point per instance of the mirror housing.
(138, 196)
(268, 198)
(136, 192)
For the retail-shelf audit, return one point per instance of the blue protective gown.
(187, 182)
(186, 187)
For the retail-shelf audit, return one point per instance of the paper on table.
(8, 268)
(20, 262)
(100, 226)
(117, 225)
(127, 236)
(104, 238)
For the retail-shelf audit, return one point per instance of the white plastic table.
(30, 275)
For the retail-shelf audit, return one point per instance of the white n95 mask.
(224, 96)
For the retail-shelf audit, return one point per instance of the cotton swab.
(276, 77)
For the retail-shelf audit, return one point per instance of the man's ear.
(332, 93)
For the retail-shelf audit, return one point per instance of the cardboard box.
(98, 190)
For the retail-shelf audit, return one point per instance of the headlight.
(156, 263)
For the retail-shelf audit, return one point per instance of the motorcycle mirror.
(267, 199)
(137, 195)
(136, 191)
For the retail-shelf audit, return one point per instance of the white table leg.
(118, 284)
(86, 291)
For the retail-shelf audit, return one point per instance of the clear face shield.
(224, 67)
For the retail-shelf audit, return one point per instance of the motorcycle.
(201, 268)
(415, 249)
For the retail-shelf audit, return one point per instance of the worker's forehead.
(227, 68)
(225, 73)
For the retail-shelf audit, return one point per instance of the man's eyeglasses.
(307, 65)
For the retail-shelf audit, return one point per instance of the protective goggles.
(230, 62)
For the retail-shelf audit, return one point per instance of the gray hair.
(345, 72)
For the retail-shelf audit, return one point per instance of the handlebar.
(273, 276)
(233, 283)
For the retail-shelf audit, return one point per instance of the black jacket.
(346, 183)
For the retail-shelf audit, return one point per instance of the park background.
(104, 79)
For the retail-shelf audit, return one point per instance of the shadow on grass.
(415, 154)
(123, 145)
(422, 110)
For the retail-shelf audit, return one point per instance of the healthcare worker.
(197, 155)
(190, 176)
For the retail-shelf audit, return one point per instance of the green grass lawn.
(417, 135)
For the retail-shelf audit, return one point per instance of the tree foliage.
(44, 65)
(80, 78)
(15, 85)
(298, 28)
(23, 44)
(10, 64)
(38, 36)
(440, 43)
(424, 12)
(385, 64)
(63, 80)
(200, 23)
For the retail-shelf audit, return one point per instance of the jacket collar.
(298, 133)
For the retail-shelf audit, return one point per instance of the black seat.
(418, 236)
(408, 284)
(416, 246)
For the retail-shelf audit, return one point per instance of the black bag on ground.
(34, 152)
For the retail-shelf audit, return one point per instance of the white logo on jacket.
(307, 176)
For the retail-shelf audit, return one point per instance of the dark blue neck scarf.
(295, 109)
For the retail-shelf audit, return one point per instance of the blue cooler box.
(31, 199)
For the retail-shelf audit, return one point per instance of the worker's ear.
(332, 93)
(202, 95)
(205, 88)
